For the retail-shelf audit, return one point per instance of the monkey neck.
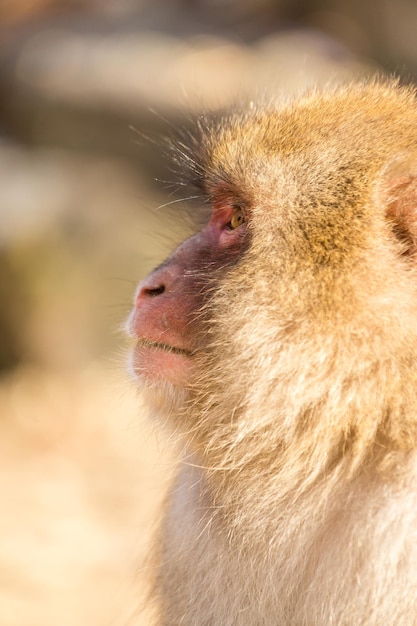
(306, 460)
(330, 410)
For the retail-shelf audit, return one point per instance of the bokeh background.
(87, 88)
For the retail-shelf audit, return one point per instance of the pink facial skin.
(165, 322)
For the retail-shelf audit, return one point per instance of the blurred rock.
(75, 237)
(83, 89)
(14, 303)
(44, 189)
(138, 70)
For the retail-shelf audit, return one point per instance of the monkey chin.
(163, 374)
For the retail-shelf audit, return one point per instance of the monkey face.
(310, 236)
(167, 321)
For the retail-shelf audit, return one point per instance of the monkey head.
(308, 256)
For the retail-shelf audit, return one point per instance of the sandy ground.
(81, 477)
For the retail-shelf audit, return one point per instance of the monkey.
(280, 343)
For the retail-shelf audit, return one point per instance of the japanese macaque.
(281, 342)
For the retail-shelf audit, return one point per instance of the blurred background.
(87, 88)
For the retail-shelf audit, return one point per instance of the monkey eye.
(237, 219)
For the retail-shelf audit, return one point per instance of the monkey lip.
(153, 361)
(147, 343)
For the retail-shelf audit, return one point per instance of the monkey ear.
(398, 189)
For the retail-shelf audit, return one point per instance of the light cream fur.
(296, 501)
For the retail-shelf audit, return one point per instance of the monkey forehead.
(355, 128)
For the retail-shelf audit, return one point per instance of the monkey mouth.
(146, 343)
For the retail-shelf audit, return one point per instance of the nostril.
(155, 291)
(155, 284)
(149, 289)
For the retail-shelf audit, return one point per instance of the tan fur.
(296, 502)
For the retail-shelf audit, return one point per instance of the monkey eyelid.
(230, 226)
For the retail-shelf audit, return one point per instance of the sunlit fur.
(164, 399)
(298, 503)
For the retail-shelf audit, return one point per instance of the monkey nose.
(149, 289)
